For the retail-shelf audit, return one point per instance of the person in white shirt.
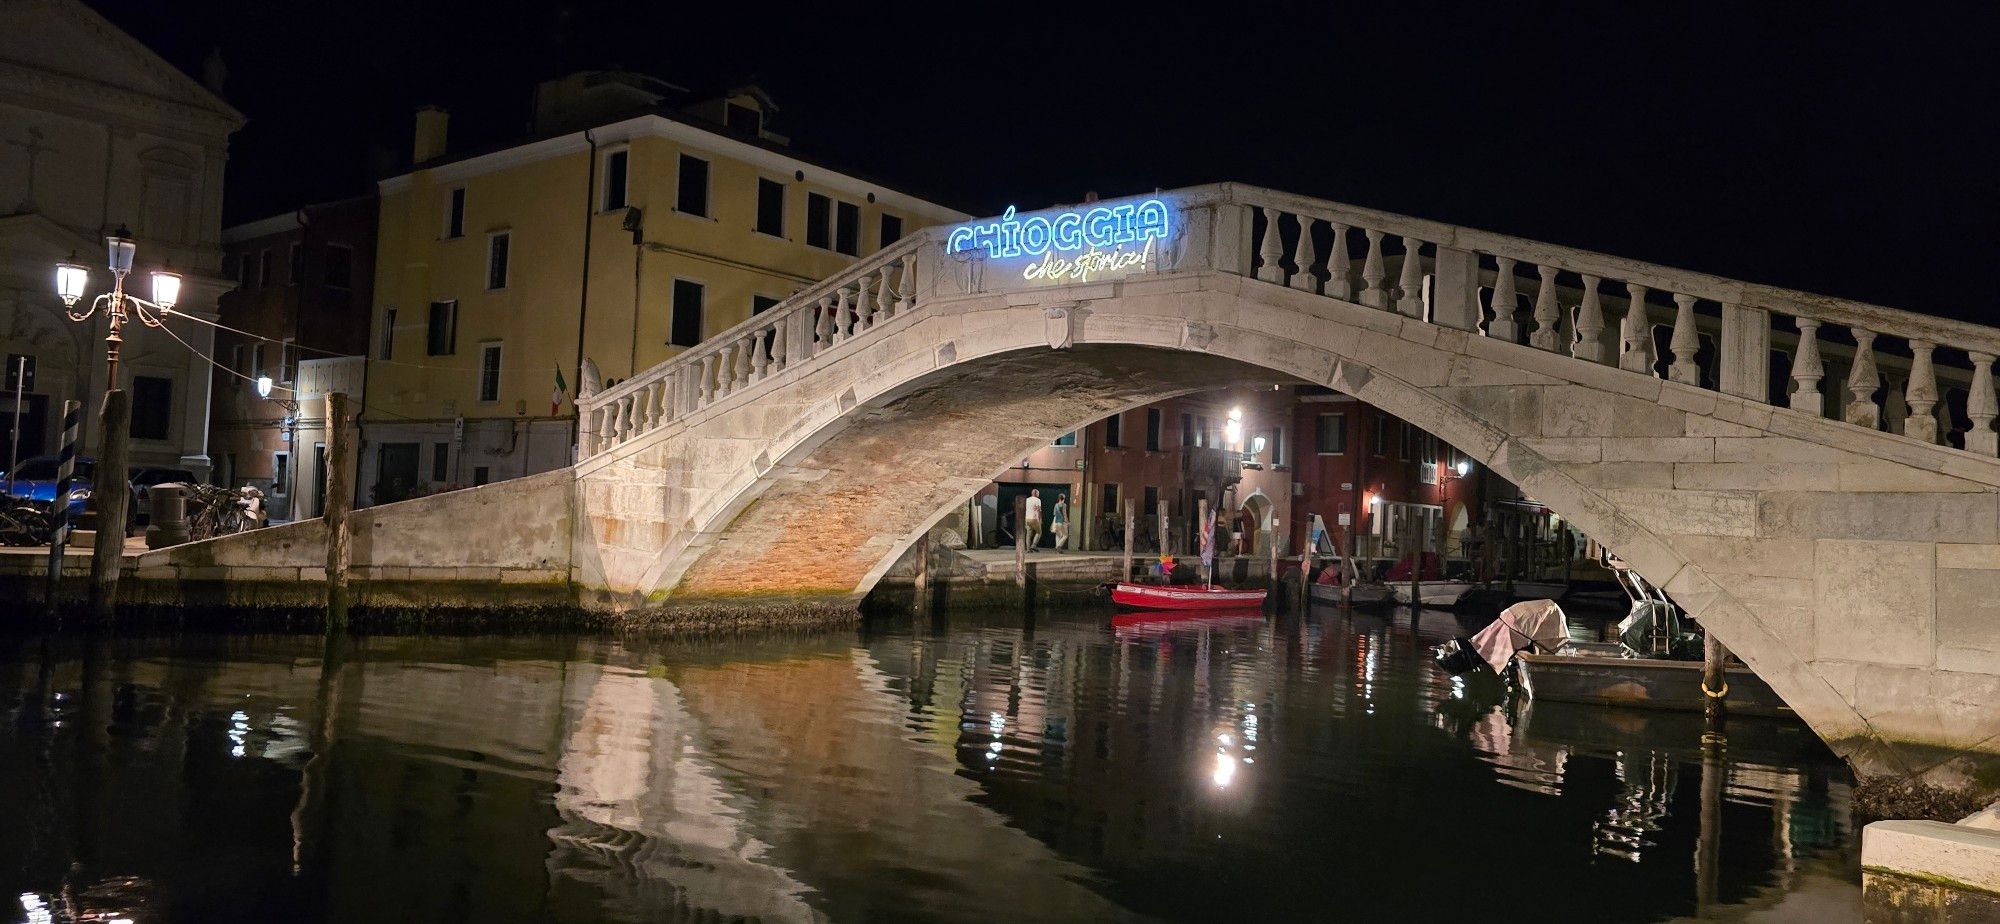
(1033, 516)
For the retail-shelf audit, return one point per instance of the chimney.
(431, 123)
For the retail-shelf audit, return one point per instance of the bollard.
(59, 508)
(167, 504)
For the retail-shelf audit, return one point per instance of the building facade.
(97, 132)
(303, 290)
(639, 221)
(1381, 480)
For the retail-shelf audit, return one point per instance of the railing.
(1316, 246)
(814, 320)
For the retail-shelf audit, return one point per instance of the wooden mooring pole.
(1021, 541)
(59, 508)
(1165, 550)
(339, 499)
(1714, 682)
(1131, 535)
(107, 554)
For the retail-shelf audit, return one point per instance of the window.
(257, 359)
(1110, 498)
(1152, 501)
(236, 359)
(686, 325)
(440, 461)
(388, 349)
(1201, 430)
(264, 267)
(1187, 430)
(1381, 446)
(762, 303)
(892, 229)
(296, 265)
(339, 266)
(615, 164)
(847, 229)
(481, 475)
(692, 197)
(443, 339)
(281, 472)
(1403, 451)
(454, 213)
(489, 372)
(1274, 444)
(1153, 424)
(819, 220)
(1114, 431)
(1067, 439)
(770, 207)
(742, 119)
(152, 407)
(496, 259)
(1331, 437)
(243, 276)
(288, 360)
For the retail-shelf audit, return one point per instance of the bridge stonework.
(1855, 569)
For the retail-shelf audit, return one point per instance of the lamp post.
(109, 481)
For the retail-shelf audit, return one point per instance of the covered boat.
(1531, 625)
(1185, 596)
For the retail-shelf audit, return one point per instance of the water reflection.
(973, 768)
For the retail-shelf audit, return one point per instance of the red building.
(1390, 482)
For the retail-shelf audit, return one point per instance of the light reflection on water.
(970, 768)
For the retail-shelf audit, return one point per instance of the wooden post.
(1206, 537)
(339, 499)
(1131, 527)
(1306, 569)
(1348, 560)
(1416, 561)
(59, 508)
(116, 420)
(1021, 540)
(1714, 682)
(923, 580)
(1271, 552)
(1165, 548)
(1708, 839)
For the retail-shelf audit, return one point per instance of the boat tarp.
(1536, 624)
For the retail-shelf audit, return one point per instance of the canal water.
(962, 768)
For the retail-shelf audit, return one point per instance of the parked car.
(145, 479)
(34, 480)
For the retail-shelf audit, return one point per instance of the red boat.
(1184, 597)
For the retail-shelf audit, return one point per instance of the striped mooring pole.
(59, 505)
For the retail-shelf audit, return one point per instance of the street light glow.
(1464, 468)
(263, 386)
(166, 288)
(120, 246)
(71, 279)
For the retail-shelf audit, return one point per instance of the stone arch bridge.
(1844, 540)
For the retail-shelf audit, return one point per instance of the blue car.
(34, 480)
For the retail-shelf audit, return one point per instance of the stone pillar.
(1746, 353)
(1455, 292)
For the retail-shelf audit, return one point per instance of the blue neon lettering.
(1065, 232)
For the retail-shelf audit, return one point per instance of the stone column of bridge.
(1853, 568)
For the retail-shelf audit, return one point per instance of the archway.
(1255, 513)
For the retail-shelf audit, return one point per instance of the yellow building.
(638, 221)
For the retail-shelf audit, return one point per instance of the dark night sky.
(1846, 150)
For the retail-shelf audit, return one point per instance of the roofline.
(283, 221)
(221, 106)
(662, 125)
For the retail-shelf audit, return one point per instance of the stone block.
(1720, 555)
(1962, 855)
(1756, 476)
(1886, 516)
(1863, 474)
(1968, 620)
(1471, 370)
(1702, 425)
(1689, 513)
(1776, 449)
(1567, 449)
(1515, 411)
(1968, 555)
(1696, 401)
(1659, 449)
(1571, 411)
(1621, 475)
(1875, 601)
(1942, 708)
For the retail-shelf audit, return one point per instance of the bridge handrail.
(865, 293)
(1451, 294)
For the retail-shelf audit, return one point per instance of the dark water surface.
(970, 768)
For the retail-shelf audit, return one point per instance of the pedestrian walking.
(1059, 521)
(1033, 518)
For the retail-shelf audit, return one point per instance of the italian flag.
(556, 397)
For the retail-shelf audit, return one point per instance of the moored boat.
(1185, 596)
(1569, 676)
(1362, 594)
(1432, 593)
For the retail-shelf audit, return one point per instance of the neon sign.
(1071, 245)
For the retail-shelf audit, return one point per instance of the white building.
(96, 132)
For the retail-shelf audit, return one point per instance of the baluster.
(649, 401)
(725, 371)
(885, 305)
(1503, 325)
(1807, 370)
(1862, 381)
(1271, 250)
(1921, 394)
(1372, 274)
(1982, 408)
(1339, 266)
(823, 326)
(706, 380)
(1685, 342)
(669, 398)
(1635, 336)
(843, 322)
(1410, 300)
(1547, 314)
(864, 310)
(780, 344)
(624, 418)
(760, 361)
(1589, 343)
(1303, 257)
(746, 354)
(906, 283)
(586, 431)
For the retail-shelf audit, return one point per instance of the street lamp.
(72, 278)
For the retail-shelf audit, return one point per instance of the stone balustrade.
(1561, 299)
(814, 320)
